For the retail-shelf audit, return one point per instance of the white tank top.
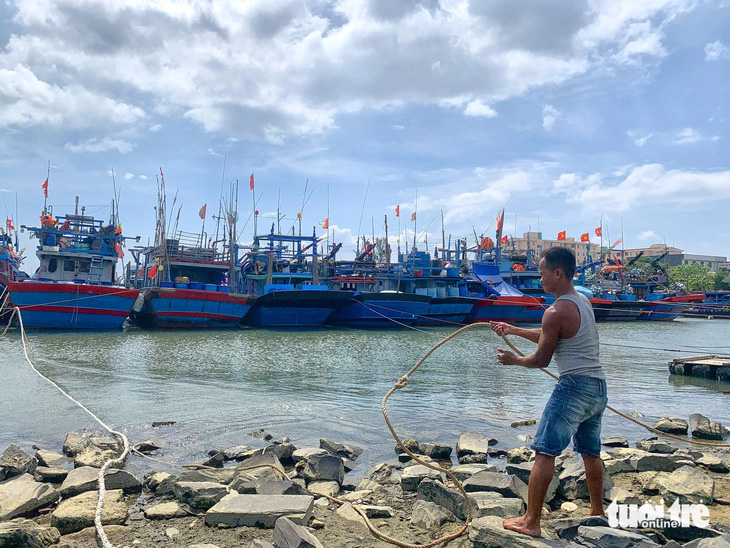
(579, 355)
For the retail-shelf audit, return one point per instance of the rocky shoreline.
(277, 495)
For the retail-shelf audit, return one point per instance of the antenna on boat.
(415, 221)
(362, 211)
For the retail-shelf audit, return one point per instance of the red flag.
(152, 272)
(617, 242)
(326, 223)
(561, 235)
(598, 232)
(44, 186)
(9, 223)
(504, 239)
(499, 221)
(250, 183)
(413, 217)
(201, 213)
(397, 210)
(585, 237)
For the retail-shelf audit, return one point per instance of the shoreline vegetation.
(240, 496)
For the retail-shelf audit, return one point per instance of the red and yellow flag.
(397, 210)
(44, 186)
(598, 232)
(585, 237)
(561, 235)
(413, 217)
(326, 223)
(504, 239)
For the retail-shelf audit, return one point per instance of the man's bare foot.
(520, 525)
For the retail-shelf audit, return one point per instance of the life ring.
(258, 266)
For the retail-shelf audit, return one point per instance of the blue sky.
(572, 111)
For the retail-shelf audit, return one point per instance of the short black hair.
(562, 258)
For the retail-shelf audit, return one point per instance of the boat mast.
(387, 246)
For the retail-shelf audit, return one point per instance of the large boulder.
(324, 468)
(506, 485)
(28, 534)
(437, 451)
(236, 510)
(573, 481)
(672, 425)
(414, 475)
(78, 512)
(86, 478)
(22, 495)
(487, 532)
(288, 534)
(199, 494)
(472, 445)
(703, 428)
(15, 462)
(76, 443)
(655, 445)
(430, 516)
(340, 449)
(451, 499)
(688, 484)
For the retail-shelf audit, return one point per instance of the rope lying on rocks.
(118, 435)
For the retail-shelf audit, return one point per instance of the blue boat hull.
(295, 308)
(447, 310)
(49, 305)
(191, 308)
(381, 310)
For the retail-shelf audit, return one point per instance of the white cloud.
(650, 185)
(398, 127)
(155, 128)
(690, 135)
(639, 141)
(103, 145)
(715, 51)
(143, 177)
(477, 108)
(274, 70)
(647, 236)
(129, 176)
(549, 115)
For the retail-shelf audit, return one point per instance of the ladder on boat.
(96, 269)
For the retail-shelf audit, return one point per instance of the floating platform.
(706, 367)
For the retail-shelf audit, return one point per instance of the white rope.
(102, 486)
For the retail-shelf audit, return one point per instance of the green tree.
(695, 277)
(721, 280)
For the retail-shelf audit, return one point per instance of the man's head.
(557, 266)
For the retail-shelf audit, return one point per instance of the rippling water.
(220, 385)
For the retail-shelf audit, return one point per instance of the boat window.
(83, 266)
(52, 265)
(69, 265)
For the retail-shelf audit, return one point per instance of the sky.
(570, 114)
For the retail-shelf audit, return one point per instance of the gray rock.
(306, 452)
(199, 494)
(238, 453)
(414, 475)
(438, 493)
(52, 460)
(520, 454)
(672, 425)
(381, 473)
(713, 463)
(500, 507)
(573, 481)
(610, 537)
(436, 451)
(258, 543)
(472, 444)
(686, 483)
(216, 460)
(348, 513)
(15, 462)
(324, 468)
(22, 495)
(487, 532)
(27, 534)
(165, 510)
(505, 484)
(655, 445)
(340, 449)
(86, 478)
(279, 487)
(622, 496)
(465, 471)
(288, 534)
(410, 444)
(615, 442)
(236, 510)
(717, 542)
(329, 488)
(78, 512)
(149, 446)
(523, 471)
(567, 528)
(284, 451)
(703, 428)
(430, 516)
(373, 511)
(76, 443)
(153, 480)
(659, 462)
(44, 474)
(259, 465)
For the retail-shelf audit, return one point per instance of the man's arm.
(546, 343)
(501, 328)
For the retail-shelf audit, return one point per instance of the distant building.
(711, 261)
(534, 242)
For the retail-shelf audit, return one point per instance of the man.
(576, 406)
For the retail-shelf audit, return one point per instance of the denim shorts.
(575, 410)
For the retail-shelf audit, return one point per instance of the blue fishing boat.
(75, 286)
(715, 304)
(283, 271)
(187, 281)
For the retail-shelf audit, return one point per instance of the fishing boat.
(187, 281)
(75, 286)
(716, 304)
(10, 260)
(283, 271)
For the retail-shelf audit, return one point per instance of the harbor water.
(217, 386)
